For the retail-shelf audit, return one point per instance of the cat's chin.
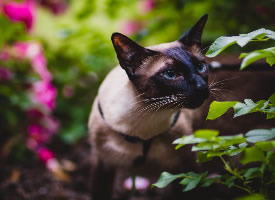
(194, 104)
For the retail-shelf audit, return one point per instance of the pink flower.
(5, 74)
(140, 182)
(44, 93)
(131, 27)
(45, 155)
(4, 55)
(56, 6)
(33, 51)
(20, 49)
(147, 5)
(34, 114)
(39, 65)
(38, 133)
(20, 12)
(51, 123)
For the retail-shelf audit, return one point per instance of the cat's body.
(155, 96)
(120, 119)
(112, 154)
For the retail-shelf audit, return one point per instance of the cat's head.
(172, 74)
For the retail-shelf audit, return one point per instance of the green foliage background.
(79, 51)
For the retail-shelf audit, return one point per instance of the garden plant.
(255, 146)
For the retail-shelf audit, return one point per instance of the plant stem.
(133, 185)
(229, 169)
(242, 188)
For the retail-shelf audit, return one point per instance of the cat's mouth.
(196, 100)
(176, 101)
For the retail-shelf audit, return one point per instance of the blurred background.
(55, 53)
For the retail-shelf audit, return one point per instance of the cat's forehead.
(164, 46)
(178, 51)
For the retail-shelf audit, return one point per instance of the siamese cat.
(137, 112)
(156, 95)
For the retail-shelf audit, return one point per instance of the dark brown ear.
(193, 36)
(130, 55)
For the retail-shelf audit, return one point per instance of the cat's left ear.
(193, 36)
(130, 55)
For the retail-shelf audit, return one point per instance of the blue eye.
(202, 68)
(170, 74)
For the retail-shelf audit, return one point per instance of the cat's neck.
(124, 109)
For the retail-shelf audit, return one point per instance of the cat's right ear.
(130, 55)
(193, 36)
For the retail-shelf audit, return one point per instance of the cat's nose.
(202, 87)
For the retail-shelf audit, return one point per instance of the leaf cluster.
(267, 107)
(259, 35)
(255, 146)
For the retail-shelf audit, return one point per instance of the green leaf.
(243, 145)
(252, 197)
(202, 157)
(166, 178)
(211, 154)
(205, 146)
(209, 181)
(262, 104)
(257, 55)
(270, 115)
(222, 43)
(270, 112)
(272, 99)
(234, 151)
(192, 180)
(270, 60)
(190, 139)
(235, 139)
(252, 154)
(230, 181)
(259, 34)
(242, 55)
(219, 108)
(252, 173)
(242, 109)
(266, 145)
(206, 133)
(219, 45)
(260, 135)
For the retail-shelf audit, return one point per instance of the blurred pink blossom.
(20, 12)
(20, 49)
(45, 155)
(34, 114)
(4, 55)
(34, 52)
(39, 65)
(147, 5)
(141, 183)
(43, 92)
(56, 6)
(130, 27)
(38, 133)
(5, 74)
(51, 124)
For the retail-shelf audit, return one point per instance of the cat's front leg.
(102, 179)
